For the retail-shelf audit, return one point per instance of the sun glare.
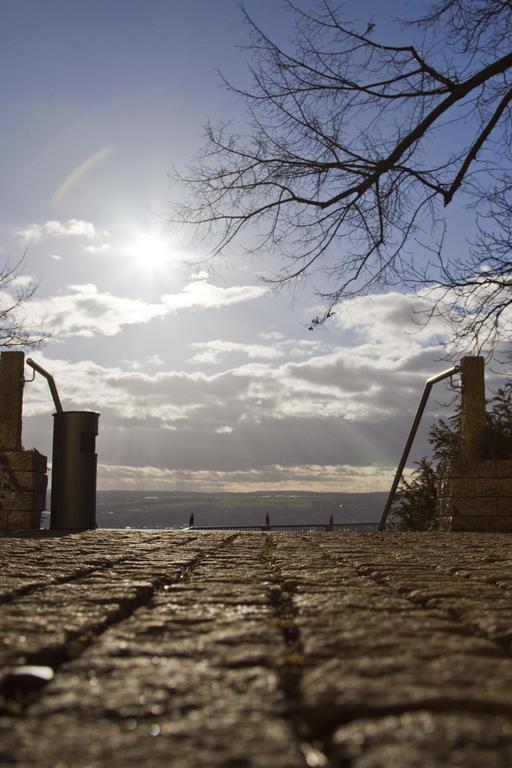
(150, 250)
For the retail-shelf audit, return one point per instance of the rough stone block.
(19, 519)
(23, 500)
(444, 523)
(505, 506)
(445, 507)
(504, 467)
(493, 486)
(30, 481)
(459, 486)
(3, 519)
(476, 507)
(443, 485)
(27, 461)
(36, 519)
(442, 507)
(5, 480)
(489, 524)
(461, 468)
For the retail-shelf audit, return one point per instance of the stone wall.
(23, 476)
(476, 496)
(23, 483)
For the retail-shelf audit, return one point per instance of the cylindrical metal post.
(74, 461)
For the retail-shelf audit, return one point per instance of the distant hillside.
(145, 509)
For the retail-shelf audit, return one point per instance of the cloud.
(55, 257)
(32, 232)
(141, 365)
(70, 228)
(336, 419)
(275, 477)
(155, 360)
(349, 384)
(103, 248)
(212, 351)
(394, 321)
(22, 281)
(271, 336)
(83, 310)
(264, 414)
(201, 293)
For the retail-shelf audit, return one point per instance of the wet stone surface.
(264, 649)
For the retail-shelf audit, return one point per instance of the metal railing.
(412, 434)
(361, 527)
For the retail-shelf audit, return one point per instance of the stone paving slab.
(241, 650)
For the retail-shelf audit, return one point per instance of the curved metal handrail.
(412, 434)
(51, 382)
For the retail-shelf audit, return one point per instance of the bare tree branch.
(14, 294)
(354, 144)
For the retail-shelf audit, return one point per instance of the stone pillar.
(22, 473)
(474, 494)
(472, 417)
(11, 399)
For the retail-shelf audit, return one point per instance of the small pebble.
(21, 681)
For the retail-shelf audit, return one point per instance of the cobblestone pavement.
(231, 650)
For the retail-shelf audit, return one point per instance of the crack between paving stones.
(289, 672)
(15, 702)
(30, 589)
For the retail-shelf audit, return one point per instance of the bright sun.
(150, 250)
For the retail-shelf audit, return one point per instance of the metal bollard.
(74, 462)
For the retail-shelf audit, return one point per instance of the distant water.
(143, 509)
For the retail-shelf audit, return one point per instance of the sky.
(205, 379)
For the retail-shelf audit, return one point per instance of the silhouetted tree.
(416, 499)
(354, 144)
(14, 293)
